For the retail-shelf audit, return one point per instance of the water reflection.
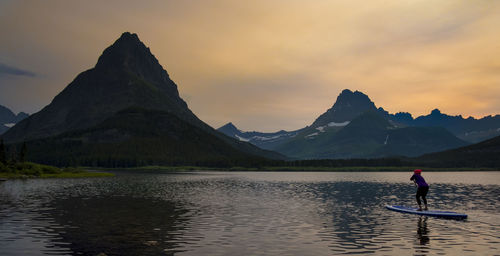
(117, 225)
(81, 217)
(423, 231)
(242, 214)
(352, 229)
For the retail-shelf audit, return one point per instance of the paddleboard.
(441, 214)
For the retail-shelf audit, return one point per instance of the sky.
(267, 65)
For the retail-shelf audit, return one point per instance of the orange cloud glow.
(269, 65)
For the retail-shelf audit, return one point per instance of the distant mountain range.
(9, 119)
(355, 128)
(369, 135)
(468, 129)
(260, 139)
(125, 111)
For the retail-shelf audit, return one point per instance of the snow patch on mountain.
(262, 138)
(333, 124)
(265, 138)
(311, 136)
(241, 138)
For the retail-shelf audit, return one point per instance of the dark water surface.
(248, 213)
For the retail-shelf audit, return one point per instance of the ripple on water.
(246, 213)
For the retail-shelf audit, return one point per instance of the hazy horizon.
(267, 65)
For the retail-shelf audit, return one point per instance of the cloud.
(269, 64)
(13, 71)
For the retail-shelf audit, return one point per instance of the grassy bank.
(306, 169)
(33, 170)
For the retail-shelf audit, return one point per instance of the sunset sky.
(267, 65)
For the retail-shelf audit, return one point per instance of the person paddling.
(422, 188)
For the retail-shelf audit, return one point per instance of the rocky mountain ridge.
(324, 134)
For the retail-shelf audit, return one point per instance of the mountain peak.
(346, 92)
(127, 44)
(436, 112)
(127, 36)
(229, 128)
(127, 74)
(128, 52)
(348, 97)
(128, 41)
(229, 125)
(7, 116)
(5, 113)
(347, 106)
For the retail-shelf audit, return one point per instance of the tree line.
(11, 154)
(67, 156)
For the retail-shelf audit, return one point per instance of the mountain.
(355, 128)
(6, 115)
(348, 106)
(135, 137)
(260, 139)
(333, 135)
(230, 130)
(483, 154)
(469, 129)
(127, 75)
(369, 135)
(9, 119)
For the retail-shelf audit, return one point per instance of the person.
(422, 188)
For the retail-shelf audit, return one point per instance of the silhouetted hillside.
(135, 137)
(483, 154)
(77, 126)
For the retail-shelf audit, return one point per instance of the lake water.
(248, 213)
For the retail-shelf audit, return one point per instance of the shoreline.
(292, 169)
(29, 170)
(38, 171)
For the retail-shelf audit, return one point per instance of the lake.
(248, 213)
